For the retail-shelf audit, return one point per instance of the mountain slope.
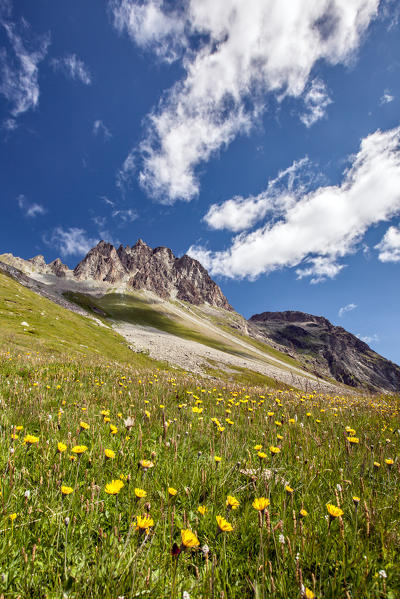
(329, 350)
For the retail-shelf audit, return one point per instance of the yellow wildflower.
(232, 503)
(260, 503)
(334, 511)
(66, 490)
(189, 539)
(140, 493)
(223, 524)
(114, 487)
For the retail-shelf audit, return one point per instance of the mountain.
(171, 308)
(134, 268)
(329, 350)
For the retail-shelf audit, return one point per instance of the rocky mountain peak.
(329, 350)
(156, 270)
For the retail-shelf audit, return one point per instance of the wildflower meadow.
(118, 482)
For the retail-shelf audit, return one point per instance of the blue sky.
(260, 136)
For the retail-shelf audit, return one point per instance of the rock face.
(36, 265)
(136, 267)
(156, 270)
(329, 350)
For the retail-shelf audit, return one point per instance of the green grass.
(244, 376)
(132, 309)
(98, 553)
(54, 330)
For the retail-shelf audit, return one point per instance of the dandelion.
(377, 465)
(146, 464)
(12, 517)
(109, 453)
(274, 450)
(261, 455)
(84, 426)
(307, 593)
(79, 449)
(202, 509)
(232, 503)
(217, 459)
(114, 487)
(140, 493)
(261, 504)
(353, 440)
(257, 447)
(303, 513)
(223, 525)
(66, 490)
(61, 447)
(289, 490)
(334, 511)
(31, 440)
(144, 523)
(189, 539)
(389, 462)
(356, 501)
(113, 429)
(172, 492)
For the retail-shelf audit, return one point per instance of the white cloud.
(125, 173)
(73, 67)
(29, 210)
(107, 201)
(347, 308)
(70, 242)
(322, 225)
(233, 54)
(150, 26)
(389, 246)
(239, 214)
(387, 97)
(19, 82)
(316, 101)
(100, 128)
(125, 216)
(368, 339)
(10, 124)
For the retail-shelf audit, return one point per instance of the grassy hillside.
(131, 308)
(54, 330)
(213, 446)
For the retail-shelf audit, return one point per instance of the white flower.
(282, 539)
(382, 574)
(185, 595)
(339, 488)
(27, 494)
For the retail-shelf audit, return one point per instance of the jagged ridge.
(329, 349)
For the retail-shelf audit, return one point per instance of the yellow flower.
(261, 455)
(19, 427)
(274, 450)
(113, 429)
(223, 524)
(61, 447)
(66, 490)
(172, 491)
(217, 458)
(232, 503)
(12, 517)
(84, 426)
(109, 453)
(114, 487)
(31, 439)
(377, 465)
(144, 523)
(308, 594)
(260, 503)
(140, 493)
(334, 511)
(303, 513)
(279, 437)
(202, 509)
(14, 436)
(389, 462)
(353, 440)
(257, 447)
(145, 464)
(356, 501)
(79, 449)
(289, 490)
(189, 539)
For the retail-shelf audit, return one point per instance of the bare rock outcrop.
(329, 350)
